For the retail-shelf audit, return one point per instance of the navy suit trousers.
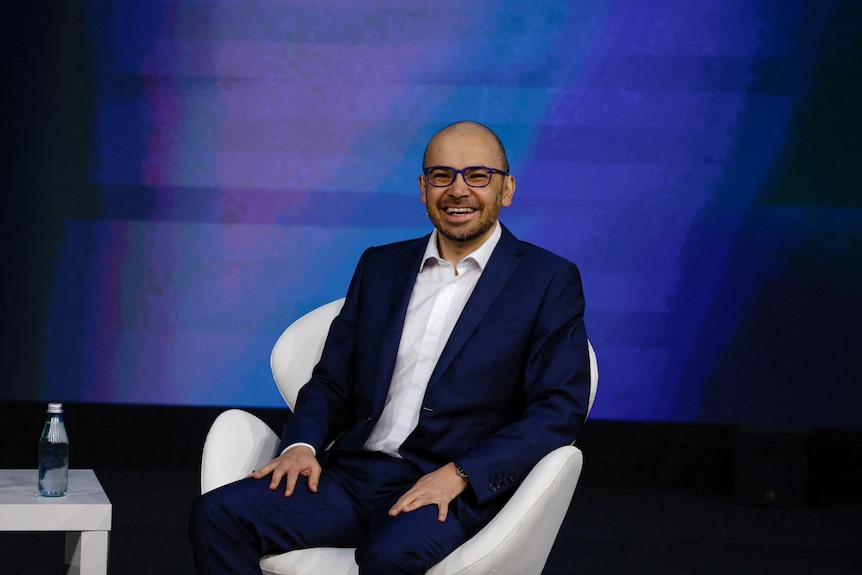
(233, 526)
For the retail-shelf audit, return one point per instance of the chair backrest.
(594, 376)
(298, 350)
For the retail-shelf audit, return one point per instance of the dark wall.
(48, 103)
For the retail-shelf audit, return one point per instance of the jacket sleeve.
(555, 384)
(324, 403)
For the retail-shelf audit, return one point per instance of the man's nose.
(459, 187)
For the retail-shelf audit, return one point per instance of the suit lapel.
(405, 273)
(502, 264)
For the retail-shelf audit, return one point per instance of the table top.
(85, 507)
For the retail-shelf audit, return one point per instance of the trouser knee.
(386, 560)
(220, 542)
(209, 512)
(202, 515)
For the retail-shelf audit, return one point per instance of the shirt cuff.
(308, 445)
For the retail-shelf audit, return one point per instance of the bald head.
(468, 128)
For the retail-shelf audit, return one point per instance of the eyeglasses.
(474, 176)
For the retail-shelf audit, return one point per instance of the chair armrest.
(237, 443)
(519, 539)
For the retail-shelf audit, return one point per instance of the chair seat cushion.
(316, 561)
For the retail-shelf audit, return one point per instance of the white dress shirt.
(439, 295)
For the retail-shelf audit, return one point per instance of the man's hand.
(296, 461)
(439, 487)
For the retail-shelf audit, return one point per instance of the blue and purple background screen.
(203, 173)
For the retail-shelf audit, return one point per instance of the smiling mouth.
(459, 211)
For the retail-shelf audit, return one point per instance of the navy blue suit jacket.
(511, 384)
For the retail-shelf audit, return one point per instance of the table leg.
(87, 552)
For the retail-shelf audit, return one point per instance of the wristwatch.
(461, 472)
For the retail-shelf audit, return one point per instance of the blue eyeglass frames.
(474, 176)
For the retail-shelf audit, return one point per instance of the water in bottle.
(54, 454)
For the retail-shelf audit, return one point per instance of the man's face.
(462, 214)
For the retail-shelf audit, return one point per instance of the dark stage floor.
(607, 530)
(653, 498)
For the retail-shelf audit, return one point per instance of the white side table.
(84, 513)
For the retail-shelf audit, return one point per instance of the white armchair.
(516, 542)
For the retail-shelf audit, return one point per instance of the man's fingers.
(289, 466)
(408, 502)
(290, 483)
(263, 471)
(439, 488)
(400, 505)
(406, 506)
(314, 478)
(277, 474)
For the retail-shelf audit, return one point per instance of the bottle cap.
(55, 408)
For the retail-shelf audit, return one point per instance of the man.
(457, 362)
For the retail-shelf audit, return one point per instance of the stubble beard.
(467, 234)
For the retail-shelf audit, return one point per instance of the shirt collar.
(480, 255)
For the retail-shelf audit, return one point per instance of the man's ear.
(508, 191)
(422, 184)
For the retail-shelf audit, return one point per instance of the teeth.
(459, 210)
